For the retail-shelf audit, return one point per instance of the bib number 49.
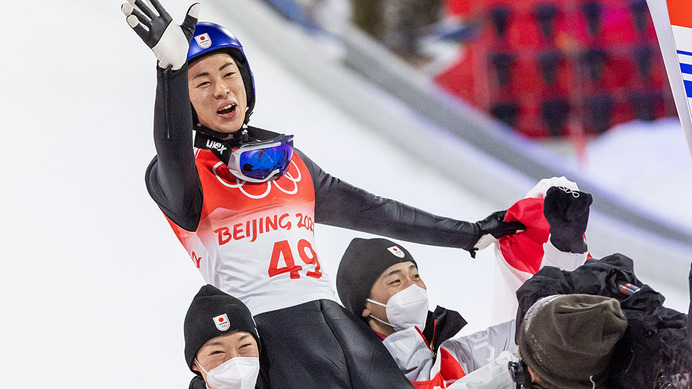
(282, 253)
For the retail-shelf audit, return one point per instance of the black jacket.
(173, 183)
(442, 324)
(197, 383)
(653, 331)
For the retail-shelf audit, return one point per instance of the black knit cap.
(568, 340)
(214, 313)
(362, 264)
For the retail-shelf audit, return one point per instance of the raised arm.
(171, 178)
(340, 204)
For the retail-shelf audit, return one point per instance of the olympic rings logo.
(568, 191)
(239, 184)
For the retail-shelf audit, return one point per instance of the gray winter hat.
(569, 339)
(362, 264)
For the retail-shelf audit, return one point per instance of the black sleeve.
(197, 383)
(340, 204)
(171, 178)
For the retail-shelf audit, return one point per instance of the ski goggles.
(262, 161)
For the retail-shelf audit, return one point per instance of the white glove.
(155, 26)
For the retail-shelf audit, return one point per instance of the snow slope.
(649, 164)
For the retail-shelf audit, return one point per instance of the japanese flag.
(203, 41)
(396, 251)
(222, 322)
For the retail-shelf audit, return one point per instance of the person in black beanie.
(362, 264)
(222, 344)
(378, 281)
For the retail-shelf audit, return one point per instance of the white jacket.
(456, 357)
(494, 375)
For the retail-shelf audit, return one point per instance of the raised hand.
(155, 26)
(491, 229)
(567, 212)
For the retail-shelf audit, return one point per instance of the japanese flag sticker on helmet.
(399, 253)
(203, 40)
(222, 323)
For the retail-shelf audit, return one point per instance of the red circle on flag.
(220, 319)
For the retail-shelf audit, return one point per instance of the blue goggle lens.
(259, 164)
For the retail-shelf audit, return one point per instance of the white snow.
(94, 285)
(649, 164)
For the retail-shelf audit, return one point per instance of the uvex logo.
(216, 145)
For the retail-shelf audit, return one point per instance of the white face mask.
(235, 373)
(406, 308)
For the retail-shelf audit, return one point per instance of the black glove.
(169, 41)
(491, 229)
(567, 212)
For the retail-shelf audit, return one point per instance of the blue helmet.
(210, 37)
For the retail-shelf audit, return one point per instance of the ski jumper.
(255, 242)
